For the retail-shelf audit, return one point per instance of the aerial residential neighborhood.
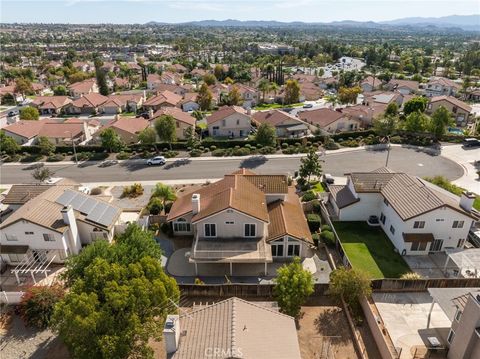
(300, 181)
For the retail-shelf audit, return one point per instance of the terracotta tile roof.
(177, 89)
(61, 130)
(370, 81)
(47, 102)
(22, 193)
(167, 97)
(454, 101)
(239, 329)
(120, 82)
(122, 99)
(287, 218)
(91, 99)
(274, 117)
(342, 195)
(443, 82)
(310, 91)
(130, 124)
(412, 85)
(321, 117)
(269, 183)
(190, 97)
(83, 86)
(224, 112)
(177, 114)
(26, 129)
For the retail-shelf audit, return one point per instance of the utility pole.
(388, 150)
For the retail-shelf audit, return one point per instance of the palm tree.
(164, 193)
(333, 99)
(263, 86)
(273, 87)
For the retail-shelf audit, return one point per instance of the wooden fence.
(238, 290)
(420, 285)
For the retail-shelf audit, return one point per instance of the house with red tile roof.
(85, 87)
(405, 87)
(459, 109)
(229, 121)
(286, 125)
(128, 128)
(162, 99)
(370, 84)
(183, 120)
(330, 121)
(87, 104)
(189, 102)
(122, 103)
(49, 105)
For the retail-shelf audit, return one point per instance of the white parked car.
(159, 160)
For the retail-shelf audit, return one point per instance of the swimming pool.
(455, 131)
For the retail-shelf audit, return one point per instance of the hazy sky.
(141, 11)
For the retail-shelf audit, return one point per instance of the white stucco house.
(229, 121)
(54, 222)
(417, 216)
(243, 219)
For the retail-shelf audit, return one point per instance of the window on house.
(210, 230)
(11, 237)
(454, 110)
(419, 224)
(458, 315)
(450, 337)
(277, 250)
(293, 250)
(177, 124)
(461, 242)
(14, 257)
(229, 222)
(29, 233)
(250, 229)
(48, 237)
(458, 224)
(440, 220)
(382, 218)
(224, 123)
(392, 230)
(181, 225)
(418, 246)
(238, 122)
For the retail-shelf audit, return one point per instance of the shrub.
(57, 157)
(325, 227)
(96, 191)
(309, 196)
(167, 229)
(168, 206)
(411, 276)
(198, 281)
(316, 206)
(396, 139)
(123, 155)
(328, 238)
(99, 156)
(195, 153)
(34, 157)
(155, 206)
(84, 156)
(38, 302)
(213, 148)
(133, 191)
(313, 221)
(315, 237)
(284, 145)
(218, 153)
(170, 154)
(331, 145)
(241, 151)
(267, 150)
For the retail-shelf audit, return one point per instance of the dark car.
(287, 109)
(471, 142)
(144, 115)
(12, 113)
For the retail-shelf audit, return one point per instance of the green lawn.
(317, 187)
(370, 250)
(271, 106)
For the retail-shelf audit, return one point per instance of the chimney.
(73, 234)
(195, 203)
(466, 200)
(144, 95)
(150, 113)
(171, 333)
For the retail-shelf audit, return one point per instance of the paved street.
(401, 159)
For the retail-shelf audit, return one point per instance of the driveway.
(465, 158)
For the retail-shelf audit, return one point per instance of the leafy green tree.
(218, 72)
(263, 87)
(111, 140)
(416, 122)
(46, 147)
(148, 136)
(414, 105)
(293, 286)
(118, 298)
(385, 125)
(29, 113)
(266, 135)
(204, 97)
(155, 206)
(23, 86)
(101, 77)
(349, 95)
(392, 109)
(166, 129)
(439, 121)
(234, 97)
(42, 174)
(8, 99)
(209, 79)
(38, 302)
(60, 91)
(191, 136)
(310, 165)
(8, 144)
(349, 284)
(292, 92)
(164, 192)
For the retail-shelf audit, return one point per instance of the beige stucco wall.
(233, 124)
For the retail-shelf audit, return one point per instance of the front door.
(39, 256)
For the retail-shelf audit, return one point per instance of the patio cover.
(445, 298)
(418, 237)
(13, 249)
(464, 259)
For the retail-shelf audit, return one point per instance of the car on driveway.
(308, 105)
(158, 160)
(471, 142)
(12, 113)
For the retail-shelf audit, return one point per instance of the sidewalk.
(466, 159)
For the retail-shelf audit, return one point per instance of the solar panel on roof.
(108, 216)
(66, 197)
(88, 205)
(97, 212)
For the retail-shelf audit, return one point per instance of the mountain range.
(463, 22)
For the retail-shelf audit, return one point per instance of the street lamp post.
(74, 148)
(388, 151)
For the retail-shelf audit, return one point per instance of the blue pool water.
(455, 131)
